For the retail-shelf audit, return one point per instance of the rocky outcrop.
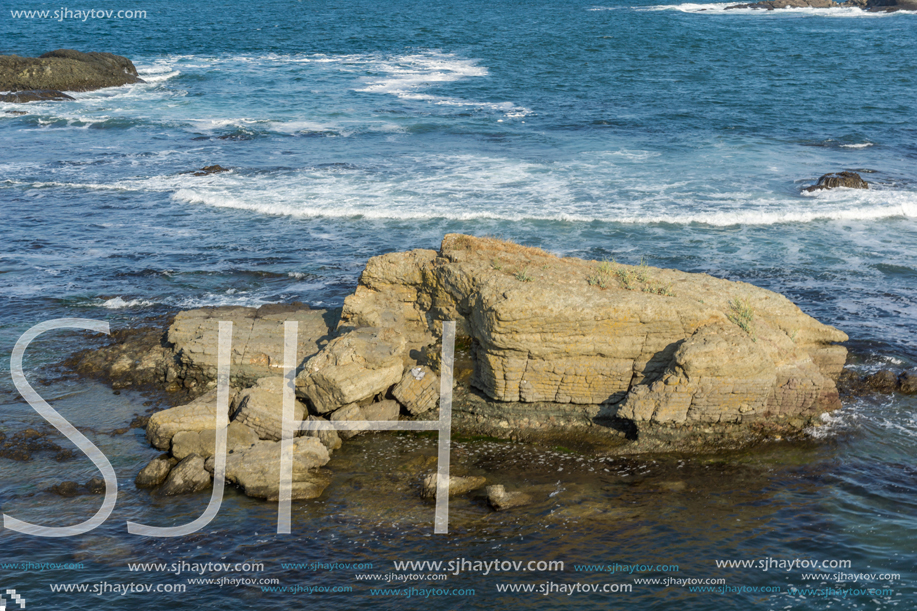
(203, 443)
(199, 415)
(868, 5)
(884, 381)
(627, 343)
(848, 180)
(66, 70)
(418, 390)
(34, 95)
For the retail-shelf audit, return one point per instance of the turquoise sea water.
(681, 133)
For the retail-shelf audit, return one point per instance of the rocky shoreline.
(43, 78)
(875, 6)
(609, 359)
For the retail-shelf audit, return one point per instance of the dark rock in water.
(907, 382)
(850, 180)
(34, 95)
(67, 489)
(884, 381)
(891, 6)
(96, 485)
(210, 169)
(21, 445)
(867, 5)
(501, 500)
(17, 113)
(66, 70)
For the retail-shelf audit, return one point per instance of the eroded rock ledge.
(621, 359)
(65, 70)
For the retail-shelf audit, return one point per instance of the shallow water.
(681, 133)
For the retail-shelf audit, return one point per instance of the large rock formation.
(849, 180)
(66, 70)
(632, 343)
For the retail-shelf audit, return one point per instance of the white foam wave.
(117, 303)
(862, 145)
(720, 8)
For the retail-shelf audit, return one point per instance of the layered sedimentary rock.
(632, 342)
(66, 70)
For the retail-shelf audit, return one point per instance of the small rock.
(383, 410)
(850, 180)
(155, 472)
(210, 169)
(908, 382)
(884, 381)
(501, 500)
(186, 477)
(67, 489)
(96, 485)
(418, 390)
(457, 485)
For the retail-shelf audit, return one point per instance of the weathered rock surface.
(257, 469)
(383, 410)
(849, 180)
(34, 95)
(457, 485)
(908, 382)
(261, 408)
(184, 358)
(352, 368)
(203, 443)
(66, 70)
(330, 438)
(186, 477)
(199, 415)
(155, 472)
(501, 500)
(210, 169)
(418, 390)
(634, 342)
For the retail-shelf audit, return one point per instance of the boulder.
(624, 342)
(66, 70)
(210, 169)
(203, 443)
(34, 95)
(352, 368)
(186, 477)
(457, 485)
(418, 390)
(849, 180)
(501, 500)
(155, 472)
(199, 415)
(329, 438)
(257, 469)
(261, 408)
(383, 410)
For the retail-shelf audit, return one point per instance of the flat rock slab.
(203, 443)
(257, 469)
(261, 408)
(199, 415)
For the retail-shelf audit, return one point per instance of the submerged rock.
(907, 382)
(210, 169)
(501, 500)
(849, 180)
(66, 70)
(34, 95)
